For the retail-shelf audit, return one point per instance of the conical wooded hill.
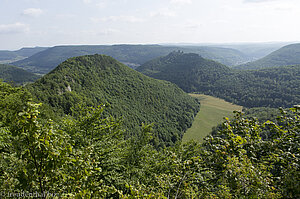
(130, 95)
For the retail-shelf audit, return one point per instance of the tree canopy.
(86, 156)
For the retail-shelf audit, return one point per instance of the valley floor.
(212, 112)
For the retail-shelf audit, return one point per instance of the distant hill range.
(254, 51)
(271, 87)
(16, 75)
(95, 79)
(131, 55)
(285, 56)
(7, 56)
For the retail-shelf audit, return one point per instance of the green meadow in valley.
(211, 113)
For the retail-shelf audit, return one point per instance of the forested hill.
(287, 55)
(132, 55)
(16, 75)
(187, 70)
(271, 87)
(96, 79)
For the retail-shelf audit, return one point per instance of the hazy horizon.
(29, 23)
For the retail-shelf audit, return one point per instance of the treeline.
(271, 87)
(87, 156)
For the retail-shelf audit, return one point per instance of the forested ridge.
(98, 79)
(270, 87)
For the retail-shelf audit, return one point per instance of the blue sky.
(60, 22)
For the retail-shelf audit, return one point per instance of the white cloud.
(101, 4)
(13, 28)
(122, 18)
(163, 13)
(258, 1)
(273, 6)
(87, 1)
(97, 3)
(32, 12)
(65, 16)
(33, 1)
(181, 1)
(107, 31)
(220, 21)
(192, 24)
(286, 8)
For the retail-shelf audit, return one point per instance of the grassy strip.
(211, 113)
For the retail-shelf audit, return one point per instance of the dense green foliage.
(86, 156)
(285, 56)
(99, 79)
(132, 55)
(263, 114)
(271, 87)
(16, 75)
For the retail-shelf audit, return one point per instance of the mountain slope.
(17, 75)
(287, 55)
(96, 79)
(132, 55)
(272, 87)
(7, 56)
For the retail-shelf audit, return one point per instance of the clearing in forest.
(212, 112)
